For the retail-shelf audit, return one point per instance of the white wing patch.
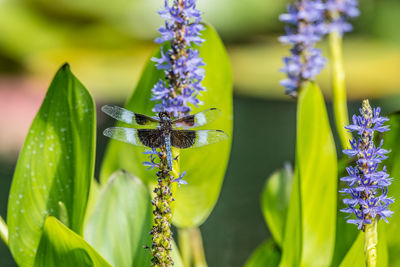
(206, 116)
(208, 137)
(131, 137)
(202, 138)
(127, 116)
(200, 119)
(127, 135)
(119, 113)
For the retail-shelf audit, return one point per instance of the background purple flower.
(338, 12)
(305, 27)
(307, 22)
(367, 185)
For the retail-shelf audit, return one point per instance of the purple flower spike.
(181, 64)
(338, 12)
(306, 26)
(307, 23)
(367, 186)
(175, 94)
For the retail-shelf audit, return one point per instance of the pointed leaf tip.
(66, 66)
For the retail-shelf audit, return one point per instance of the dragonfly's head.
(164, 116)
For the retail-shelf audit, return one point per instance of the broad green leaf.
(316, 171)
(92, 201)
(317, 168)
(205, 167)
(59, 246)
(383, 253)
(275, 201)
(55, 166)
(391, 142)
(355, 256)
(267, 254)
(292, 238)
(121, 221)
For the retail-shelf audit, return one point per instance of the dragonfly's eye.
(163, 115)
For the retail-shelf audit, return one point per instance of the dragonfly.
(166, 132)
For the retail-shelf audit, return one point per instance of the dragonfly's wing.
(139, 137)
(190, 138)
(198, 119)
(130, 117)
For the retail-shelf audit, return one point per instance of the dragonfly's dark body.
(165, 135)
(166, 129)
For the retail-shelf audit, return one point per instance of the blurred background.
(108, 42)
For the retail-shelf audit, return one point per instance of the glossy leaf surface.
(205, 167)
(317, 167)
(275, 201)
(121, 221)
(292, 238)
(55, 166)
(310, 234)
(355, 256)
(62, 247)
(267, 254)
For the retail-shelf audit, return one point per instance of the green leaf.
(317, 168)
(92, 201)
(205, 167)
(355, 256)
(121, 221)
(275, 201)
(59, 246)
(267, 254)
(55, 166)
(391, 142)
(292, 238)
(176, 256)
(382, 248)
(316, 178)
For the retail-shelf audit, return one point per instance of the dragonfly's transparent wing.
(128, 116)
(192, 139)
(202, 118)
(138, 137)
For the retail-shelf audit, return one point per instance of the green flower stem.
(161, 231)
(184, 246)
(339, 88)
(3, 231)
(197, 247)
(191, 247)
(370, 243)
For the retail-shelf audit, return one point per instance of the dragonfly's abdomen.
(168, 151)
